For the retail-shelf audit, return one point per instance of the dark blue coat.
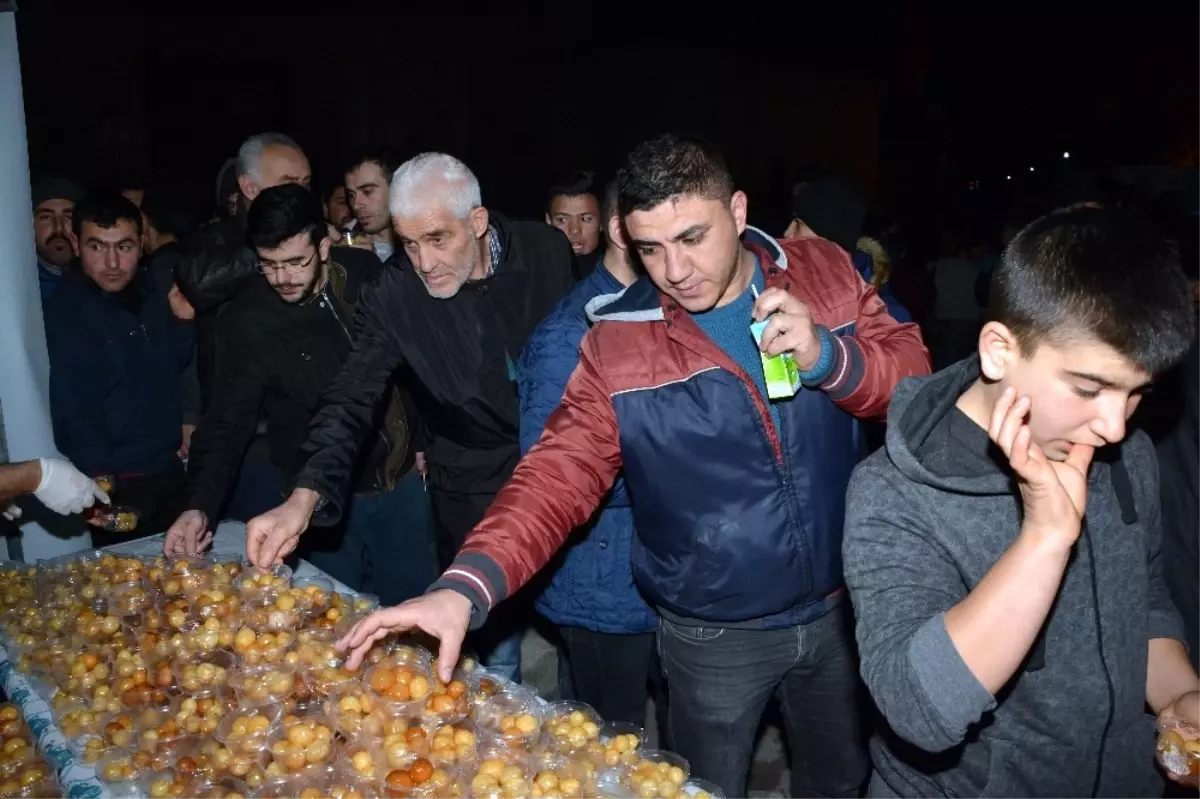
(115, 378)
(593, 588)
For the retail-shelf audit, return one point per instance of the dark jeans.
(721, 678)
(158, 499)
(611, 672)
(498, 642)
(385, 544)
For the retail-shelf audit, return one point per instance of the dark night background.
(915, 100)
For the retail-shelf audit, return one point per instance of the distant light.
(1030, 169)
(1008, 177)
(1066, 155)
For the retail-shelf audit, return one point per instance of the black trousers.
(158, 499)
(611, 672)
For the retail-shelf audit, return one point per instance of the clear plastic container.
(213, 633)
(657, 773)
(257, 584)
(618, 745)
(1178, 749)
(248, 730)
(702, 789)
(182, 575)
(34, 779)
(213, 759)
(200, 715)
(120, 772)
(77, 719)
(257, 648)
(20, 755)
(267, 684)
(352, 709)
(559, 775)
(456, 744)
(214, 602)
(363, 759)
(501, 773)
(157, 729)
(318, 591)
(128, 598)
(512, 718)
(449, 702)
(220, 788)
(169, 783)
(176, 613)
(570, 727)
(204, 675)
(323, 668)
(401, 684)
(284, 612)
(344, 784)
(303, 744)
(419, 776)
(114, 518)
(119, 729)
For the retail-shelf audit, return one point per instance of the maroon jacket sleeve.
(556, 487)
(870, 363)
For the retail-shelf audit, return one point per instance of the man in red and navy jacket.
(738, 500)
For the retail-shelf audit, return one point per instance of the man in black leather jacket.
(282, 339)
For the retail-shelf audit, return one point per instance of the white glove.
(64, 489)
(12, 512)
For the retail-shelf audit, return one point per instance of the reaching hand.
(272, 536)
(189, 535)
(185, 439)
(1184, 716)
(64, 489)
(790, 327)
(444, 614)
(1054, 493)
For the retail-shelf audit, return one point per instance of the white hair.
(249, 157)
(434, 180)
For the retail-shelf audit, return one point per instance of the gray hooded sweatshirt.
(927, 517)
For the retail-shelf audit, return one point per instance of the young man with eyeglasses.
(280, 343)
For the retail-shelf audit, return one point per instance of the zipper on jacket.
(1108, 681)
(329, 304)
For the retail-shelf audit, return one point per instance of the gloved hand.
(64, 489)
(12, 512)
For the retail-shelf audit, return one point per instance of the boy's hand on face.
(1054, 493)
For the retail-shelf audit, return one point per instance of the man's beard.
(308, 292)
(462, 274)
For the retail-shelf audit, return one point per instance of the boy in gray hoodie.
(1002, 550)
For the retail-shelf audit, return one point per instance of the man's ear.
(999, 350)
(248, 187)
(478, 220)
(548, 222)
(616, 232)
(738, 206)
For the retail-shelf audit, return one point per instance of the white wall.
(24, 367)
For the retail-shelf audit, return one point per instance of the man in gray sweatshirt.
(1002, 550)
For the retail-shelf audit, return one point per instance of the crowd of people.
(658, 433)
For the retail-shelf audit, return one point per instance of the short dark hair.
(381, 156)
(283, 212)
(104, 209)
(166, 212)
(670, 166)
(1097, 272)
(575, 183)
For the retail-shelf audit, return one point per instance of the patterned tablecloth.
(77, 779)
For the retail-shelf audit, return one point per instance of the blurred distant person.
(367, 180)
(834, 209)
(53, 203)
(337, 210)
(957, 316)
(116, 364)
(165, 221)
(227, 190)
(573, 206)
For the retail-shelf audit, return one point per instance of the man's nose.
(573, 226)
(111, 259)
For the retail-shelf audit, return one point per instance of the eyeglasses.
(268, 268)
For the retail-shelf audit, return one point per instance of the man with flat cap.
(53, 203)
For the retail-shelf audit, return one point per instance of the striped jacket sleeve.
(556, 487)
